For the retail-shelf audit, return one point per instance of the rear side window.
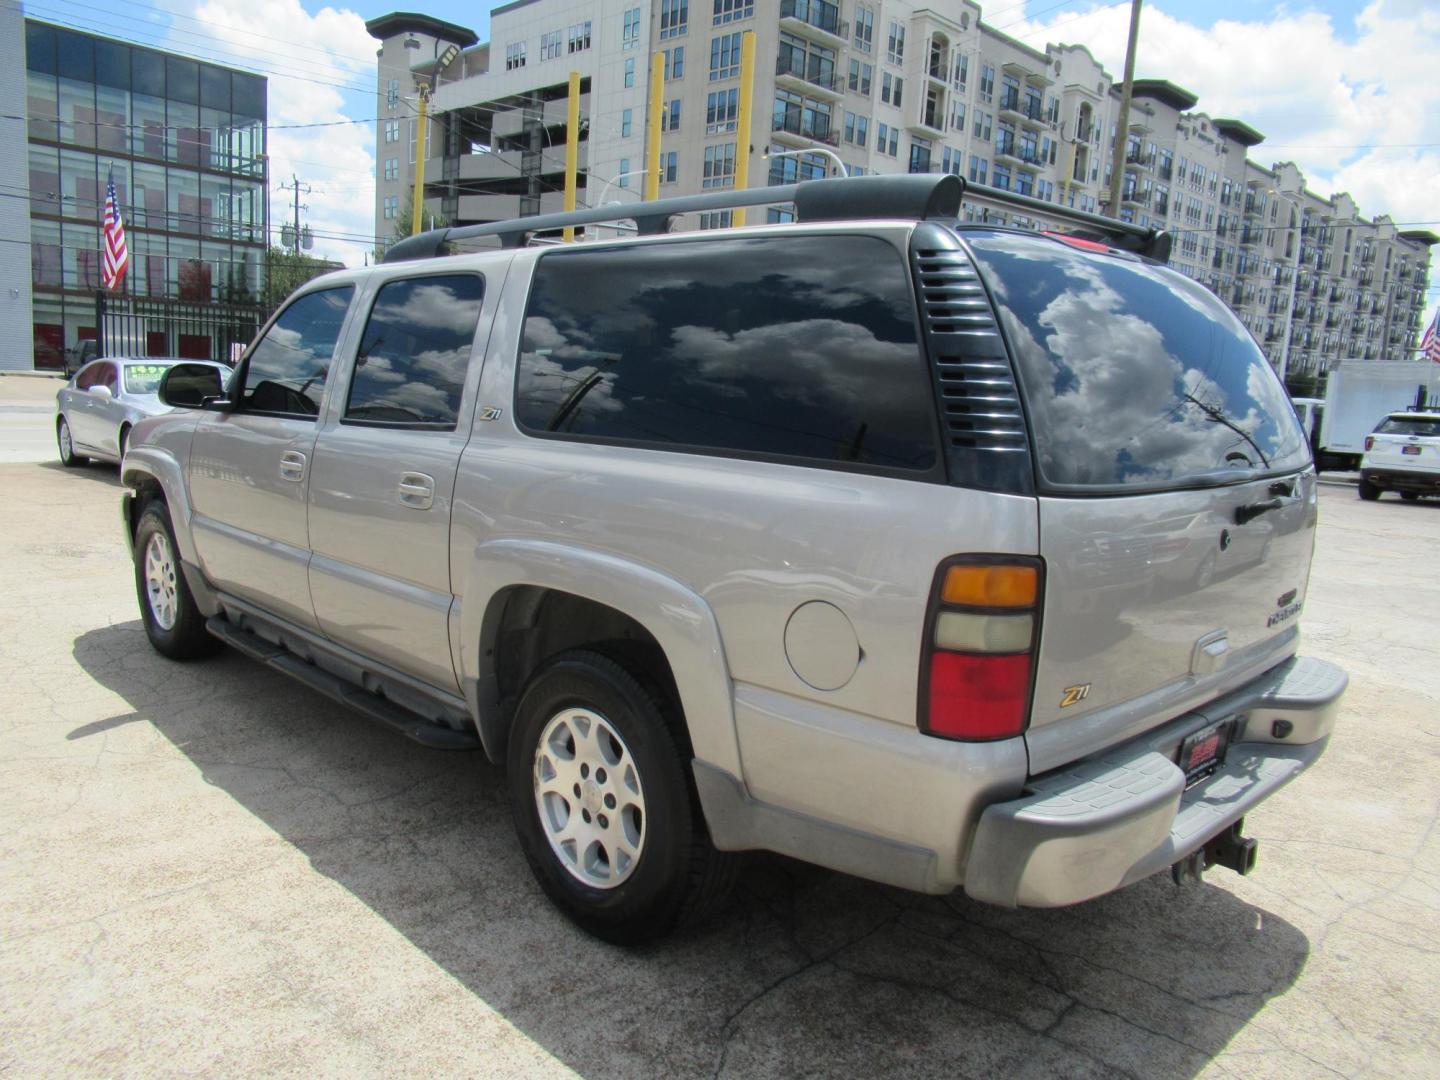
(143, 378)
(796, 348)
(287, 368)
(1408, 425)
(411, 366)
(1134, 376)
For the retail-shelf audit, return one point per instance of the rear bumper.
(1111, 820)
(1425, 481)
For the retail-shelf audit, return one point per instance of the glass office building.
(186, 143)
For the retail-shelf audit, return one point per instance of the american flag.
(1430, 343)
(117, 257)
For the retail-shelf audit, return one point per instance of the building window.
(631, 35)
(670, 116)
(514, 55)
(392, 93)
(622, 179)
(626, 122)
(1001, 176)
(392, 206)
(392, 130)
(630, 72)
(895, 43)
(730, 10)
(979, 168)
(721, 109)
(717, 219)
(919, 155)
(957, 116)
(675, 63)
(551, 45)
(981, 128)
(725, 56)
(777, 216)
(864, 28)
(790, 170)
(674, 17)
(392, 168)
(719, 166)
(860, 77)
(802, 116)
(669, 166)
(887, 140)
(856, 128)
(962, 69)
(891, 88)
(579, 37)
(987, 83)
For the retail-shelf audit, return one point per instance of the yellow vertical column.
(572, 150)
(417, 201)
(652, 130)
(747, 100)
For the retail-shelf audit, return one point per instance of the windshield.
(144, 378)
(1409, 425)
(1134, 376)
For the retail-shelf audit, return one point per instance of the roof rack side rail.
(1125, 235)
(907, 197)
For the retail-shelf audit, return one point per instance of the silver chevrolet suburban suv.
(943, 554)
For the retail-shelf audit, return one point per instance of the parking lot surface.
(207, 868)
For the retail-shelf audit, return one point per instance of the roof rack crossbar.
(907, 197)
(1125, 235)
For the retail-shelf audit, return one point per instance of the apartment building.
(883, 87)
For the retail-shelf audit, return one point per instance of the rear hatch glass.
(1159, 429)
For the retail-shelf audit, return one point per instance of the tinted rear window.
(794, 347)
(1134, 376)
(1402, 425)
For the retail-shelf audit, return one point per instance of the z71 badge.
(1073, 694)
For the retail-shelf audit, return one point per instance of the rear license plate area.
(1414, 451)
(1203, 751)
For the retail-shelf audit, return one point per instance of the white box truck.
(1358, 395)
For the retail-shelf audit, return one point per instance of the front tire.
(68, 457)
(1368, 491)
(604, 804)
(1410, 496)
(173, 623)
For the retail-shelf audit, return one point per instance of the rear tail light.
(978, 664)
(1369, 442)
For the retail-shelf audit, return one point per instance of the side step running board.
(393, 716)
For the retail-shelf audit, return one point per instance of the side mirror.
(101, 390)
(193, 386)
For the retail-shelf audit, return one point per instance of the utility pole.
(1122, 133)
(297, 188)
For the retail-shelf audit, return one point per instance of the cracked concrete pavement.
(206, 868)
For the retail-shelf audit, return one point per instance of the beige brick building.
(883, 87)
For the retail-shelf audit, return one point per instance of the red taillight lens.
(1369, 442)
(978, 697)
(979, 649)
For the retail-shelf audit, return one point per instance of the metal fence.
(134, 326)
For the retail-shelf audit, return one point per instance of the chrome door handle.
(417, 490)
(292, 466)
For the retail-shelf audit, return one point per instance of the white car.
(95, 410)
(1403, 455)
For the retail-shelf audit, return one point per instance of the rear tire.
(1368, 491)
(605, 805)
(1410, 496)
(173, 623)
(68, 457)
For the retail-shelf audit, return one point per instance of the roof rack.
(911, 197)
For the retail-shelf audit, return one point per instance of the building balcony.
(1135, 197)
(1026, 74)
(1015, 107)
(930, 124)
(794, 73)
(1141, 160)
(1162, 205)
(795, 129)
(1019, 154)
(815, 19)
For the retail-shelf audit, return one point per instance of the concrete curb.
(32, 375)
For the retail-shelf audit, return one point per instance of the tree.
(429, 219)
(286, 271)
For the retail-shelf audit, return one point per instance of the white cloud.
(318, 67)
(1317, 90)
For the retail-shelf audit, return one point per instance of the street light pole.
(1294, 282)
(844, 171)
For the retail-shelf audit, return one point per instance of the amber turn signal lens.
(991, 586)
